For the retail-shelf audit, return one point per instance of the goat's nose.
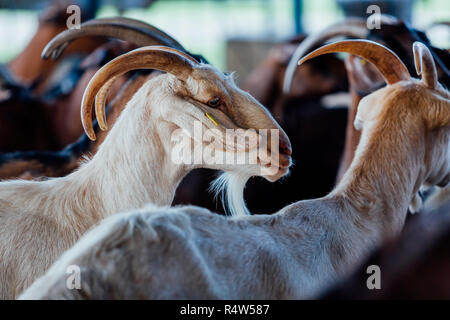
(285, 146)
(285, 152)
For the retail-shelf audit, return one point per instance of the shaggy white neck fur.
(133, 166)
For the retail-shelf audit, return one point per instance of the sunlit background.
(207, 26)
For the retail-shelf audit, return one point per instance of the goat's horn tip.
(417, 60)
(91, 135)
(45, 54)
(301, 61)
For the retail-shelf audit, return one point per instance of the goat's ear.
(425, 66)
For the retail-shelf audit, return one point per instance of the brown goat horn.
(100, 99)
(100, 102)
(425, 66)
(352, 27)
(387, 62)
(139, 24)
(152, 57)
(137, 32)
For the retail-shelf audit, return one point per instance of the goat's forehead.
(398, 89)
(212, 74)
(411, 93)
(211, 79)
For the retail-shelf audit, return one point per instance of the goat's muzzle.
(285, 150)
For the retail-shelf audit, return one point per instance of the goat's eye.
(214, 103)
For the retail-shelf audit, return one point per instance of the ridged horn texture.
(386, 61)
(425, 65)
(152, 57)
(102, 95)
(136, 32)
(352, 27)
(100, 103)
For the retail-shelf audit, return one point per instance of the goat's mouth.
(285, 160)
(276, 168)
(279, 172)
(243, 146)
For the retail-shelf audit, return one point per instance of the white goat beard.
(230, 187)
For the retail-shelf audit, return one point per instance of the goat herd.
(108, 202)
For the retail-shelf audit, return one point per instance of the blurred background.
(231, 34)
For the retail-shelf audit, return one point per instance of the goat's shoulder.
(320, 211)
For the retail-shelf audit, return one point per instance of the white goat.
(41, 219)
(186, 252)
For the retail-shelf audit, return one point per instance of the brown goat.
(51, 22)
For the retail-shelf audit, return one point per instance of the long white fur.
(229, 187)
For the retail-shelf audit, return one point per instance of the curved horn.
(387, 62)
(100, 99)
(352, 27)
(139, 24)
(100, 103)
(425, 66)
(152, 57)
(137, 32)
